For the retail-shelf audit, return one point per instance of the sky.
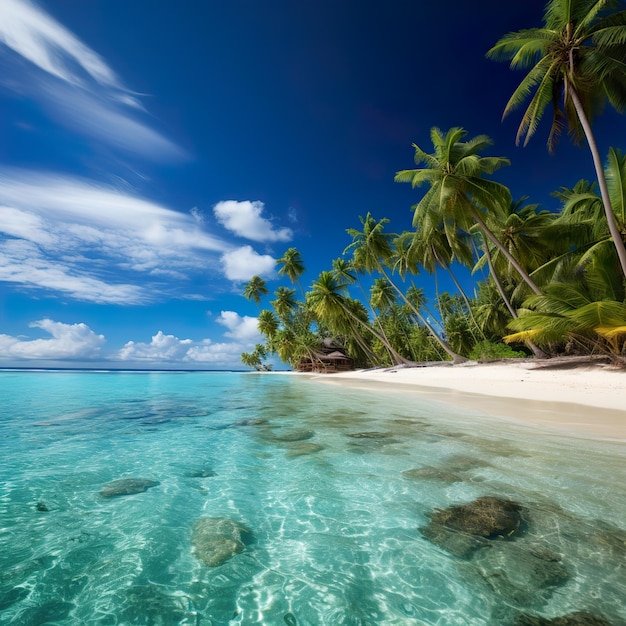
(155, 155)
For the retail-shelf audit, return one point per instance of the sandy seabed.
(584, 399)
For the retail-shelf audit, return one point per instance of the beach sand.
(586, 399)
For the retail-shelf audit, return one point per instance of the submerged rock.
(432, 473)
(462, 529)
(579, 618)
(127, 486)
(524, 575)
(487, 516)
(217, 539)
(304, 448)
(201, 473)
(369, 435)
(295, 435)
(257, 421)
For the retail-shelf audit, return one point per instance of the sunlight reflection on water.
(334, 485)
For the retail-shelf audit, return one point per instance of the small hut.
(329, 359)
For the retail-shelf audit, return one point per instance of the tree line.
(554, 280)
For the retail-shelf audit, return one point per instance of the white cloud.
(244, 263)
(240, 328)
(69, 341)
(22, 262)
(161, 348)
(73, 236)
(245, 220)
(74, 83)
(216, 355)
(169, 349)
(37, 37)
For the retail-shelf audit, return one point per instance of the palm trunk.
(396, 355)
(521, 271)
(537, 351)
(456, 358)
(496, 280)
(463, 295)
(374, 315)
(597, 162)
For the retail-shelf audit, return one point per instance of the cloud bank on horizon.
(96, 241)
(78, 341)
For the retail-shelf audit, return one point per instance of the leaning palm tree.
(371, 250)
(268, 324)
(524, 230)
(328, 303)
(577, 62)
(254, 289)
(459, 192)
(292, 266)
(285, 303)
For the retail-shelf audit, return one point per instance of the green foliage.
(486, 350)
(575, 62)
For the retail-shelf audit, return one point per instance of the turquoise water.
(334, 522)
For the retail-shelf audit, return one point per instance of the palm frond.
(523, 48)
(615, 173)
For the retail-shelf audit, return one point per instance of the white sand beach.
(583, 398)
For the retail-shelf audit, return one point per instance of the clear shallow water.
(335, 523)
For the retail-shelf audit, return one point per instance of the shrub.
(492, 351)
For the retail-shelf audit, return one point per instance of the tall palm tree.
(371, 249)
(254, 289)
(459, 191)
(577, 62)
(292, 265)
(434, 251)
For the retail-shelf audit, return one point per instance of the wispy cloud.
(245, 219)
(23, 263)
(75, 84)
(78, 238)
(68, 341)
(244, 263)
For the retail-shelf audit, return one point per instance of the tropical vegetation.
(548, 282)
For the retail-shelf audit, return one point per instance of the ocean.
(224, 498)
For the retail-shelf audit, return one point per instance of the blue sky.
(154, 155)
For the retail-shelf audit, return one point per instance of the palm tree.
(382, 294)
(577, 63)
(285, 303)
(254, 289)
(371, 248)
(524, 231)
(583, 211)
(292, 266)
(458, 191)
(268, 324)
(434, 251)
(570, 312)
(255, 358)
(328, 303)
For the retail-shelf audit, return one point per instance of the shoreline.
(577, 398)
